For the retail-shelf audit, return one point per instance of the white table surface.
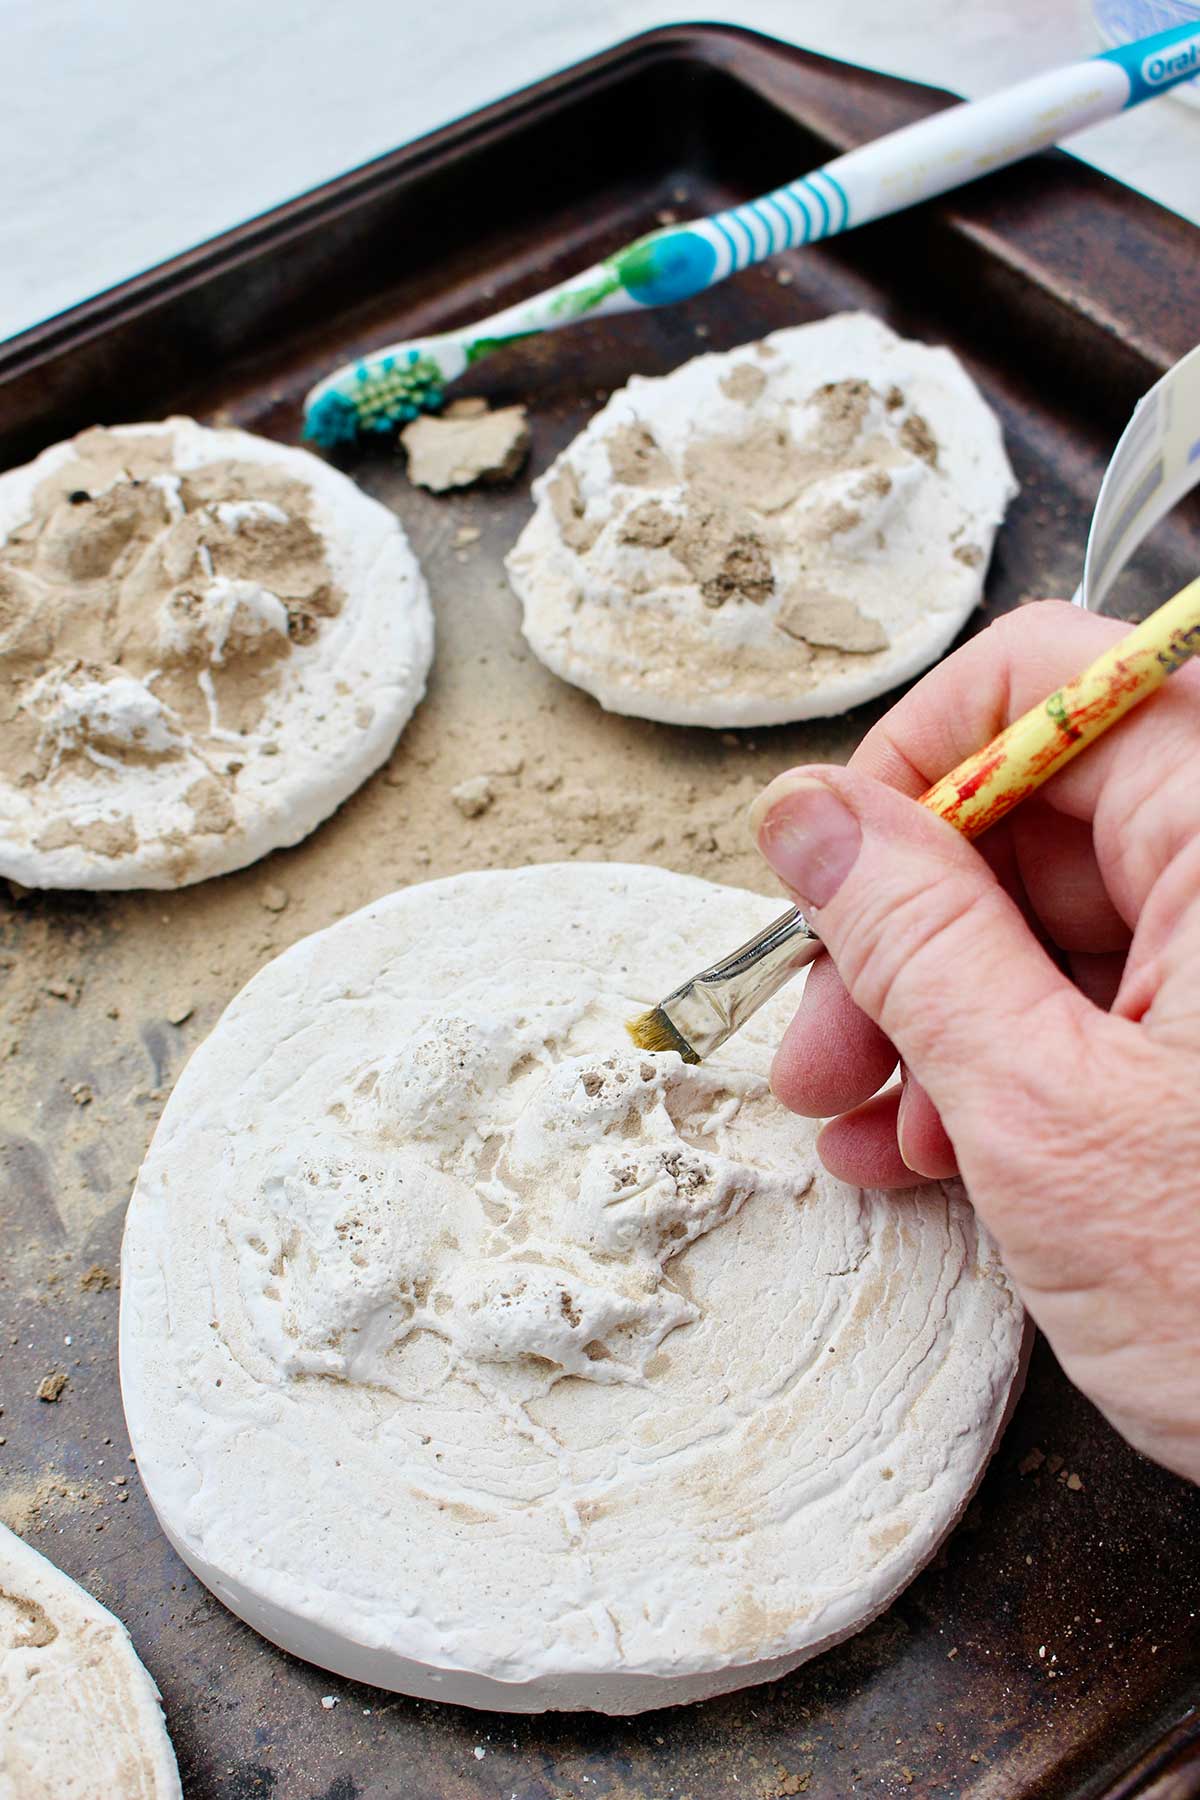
(134, 129)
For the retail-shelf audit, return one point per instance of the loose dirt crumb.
(97, 1279)
(473, 797)
(51, 1386)
(744, 382)
(787, 1784)
(180, 1012)
(649, 526)
(274, 898)
(916, 436)
(1028, 1464)
(570, 511)
(212, 808)
(635, 458)
(727, 562)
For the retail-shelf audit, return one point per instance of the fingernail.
(903, 1120)
(811, 840)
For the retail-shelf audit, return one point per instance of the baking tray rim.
(1177, 1750)
(225, 250)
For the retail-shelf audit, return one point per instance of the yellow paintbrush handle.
(1034, 747)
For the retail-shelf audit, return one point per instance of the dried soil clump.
(466, 445)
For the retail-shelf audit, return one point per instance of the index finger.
(962, 703)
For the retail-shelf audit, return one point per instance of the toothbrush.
(697, 1018)
(388, 387)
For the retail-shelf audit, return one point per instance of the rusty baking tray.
(1053, 1648)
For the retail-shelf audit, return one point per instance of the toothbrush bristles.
(377, 398)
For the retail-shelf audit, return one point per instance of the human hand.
(1041, 992)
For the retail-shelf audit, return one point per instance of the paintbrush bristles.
(654, 1031)
(699, 1016)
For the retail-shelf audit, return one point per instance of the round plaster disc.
(779, 532)
(470, 1352)
(207, 642)
(79, 1716)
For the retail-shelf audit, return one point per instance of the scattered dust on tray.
(1055, 1466)
(25, 1508)
(787, 1783)
(466, 444)
(31, 1507)
(97, 1279)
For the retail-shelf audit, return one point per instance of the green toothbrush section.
(475, 349)
(656, 270)
(577, 299)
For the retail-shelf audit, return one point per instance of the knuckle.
(897, 946)
(1149, 820)
(1065, 1152)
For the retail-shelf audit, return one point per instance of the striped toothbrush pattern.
(383, 390)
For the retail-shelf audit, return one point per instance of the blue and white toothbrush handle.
(937, 154)
(910, 165)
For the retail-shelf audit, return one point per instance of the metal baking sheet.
(1052, 1649)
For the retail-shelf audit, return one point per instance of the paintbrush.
(698, 1017)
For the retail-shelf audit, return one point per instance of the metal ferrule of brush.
(715, 1004)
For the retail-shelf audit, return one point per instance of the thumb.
(923, 936)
